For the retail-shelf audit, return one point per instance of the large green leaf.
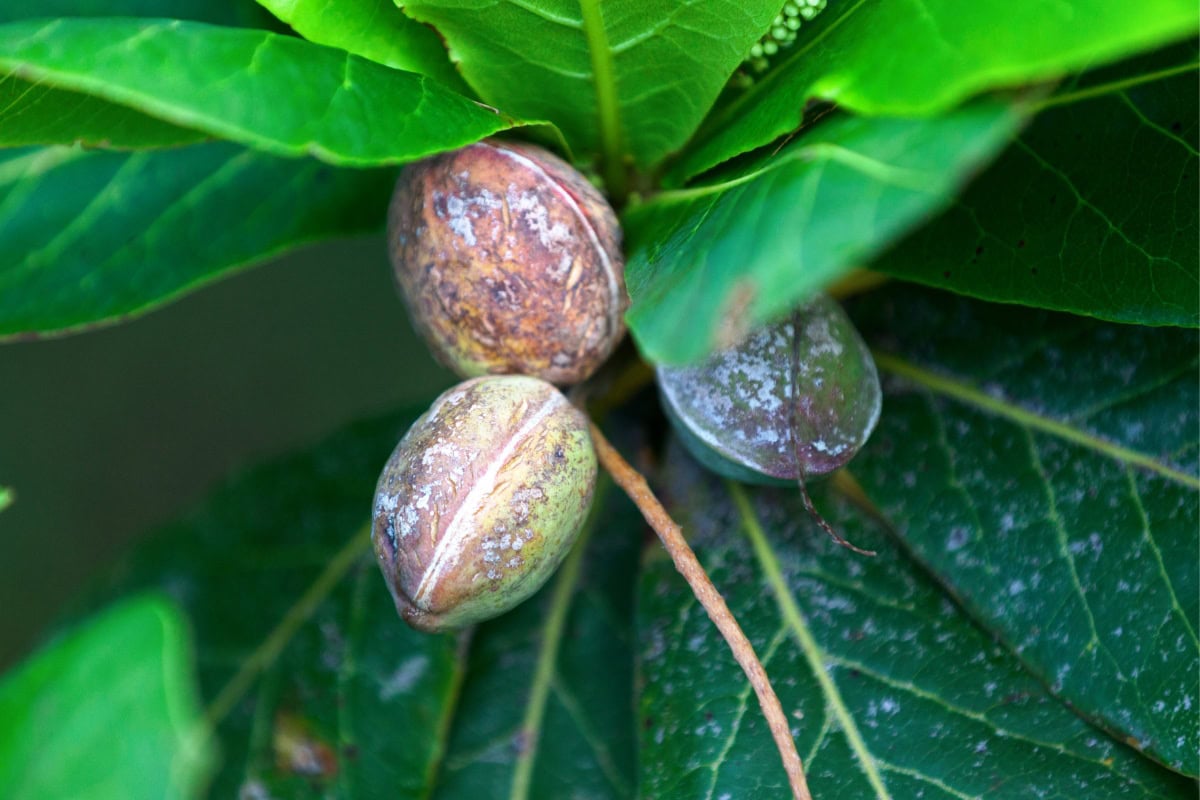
(1093, 211)
(892, 691)
(321, 690)
(275, 93)
(32, 114)
(373, 29)
(909, 57)
(1045, 468)
(621, 78)
(707, 264)
(109, 710)
(94, 236)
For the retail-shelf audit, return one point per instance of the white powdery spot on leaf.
(404, 678)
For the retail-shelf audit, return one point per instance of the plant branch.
(689, 567)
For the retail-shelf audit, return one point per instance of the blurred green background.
(105, 434)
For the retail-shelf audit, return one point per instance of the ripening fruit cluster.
(510, 265)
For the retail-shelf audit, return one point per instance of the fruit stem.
(690, 568)
(793, 410)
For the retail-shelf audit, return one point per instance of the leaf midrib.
(1103, 89)
(607, 108)
(817, 153)
(971, 396)
(813, 653)
(297, 615)
(565, 585)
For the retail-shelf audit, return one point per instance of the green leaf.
(245, 13)
(1093, 211)
(891, 690)
(92, 236)
(1045, 468)
(7, 497)
(910, 58)
(617, 77)
(33, 114)
(317, 685)
(106, 711)
(708, 264)
(275, 93)
(373, 29)
(321, 690)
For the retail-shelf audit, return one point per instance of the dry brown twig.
(689, 566)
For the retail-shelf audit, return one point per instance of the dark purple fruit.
(797, 398)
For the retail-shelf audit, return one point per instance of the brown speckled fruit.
(509, 262)
(481, 500)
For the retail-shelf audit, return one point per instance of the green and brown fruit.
(481, 500)
(795, 399)
(509, 262)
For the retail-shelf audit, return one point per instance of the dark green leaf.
(94, 236)
(906, 58)
(1045, 468)
(353, 703)
(317, 684)
(245, 13)
(630, 77)
(275, 93)
(107, 711)
(892, 691)
(1093, 211)
(373, 29)
(708, 264)
(32, 113)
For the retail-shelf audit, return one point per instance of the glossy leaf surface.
(619, 78)
(1044, 467)
(93, 237)
(1093, 210)
(374, 29)
(905, 58)
(275, 93)
(58, 734)
(35, 114)
(708, 264)
(892, 691)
